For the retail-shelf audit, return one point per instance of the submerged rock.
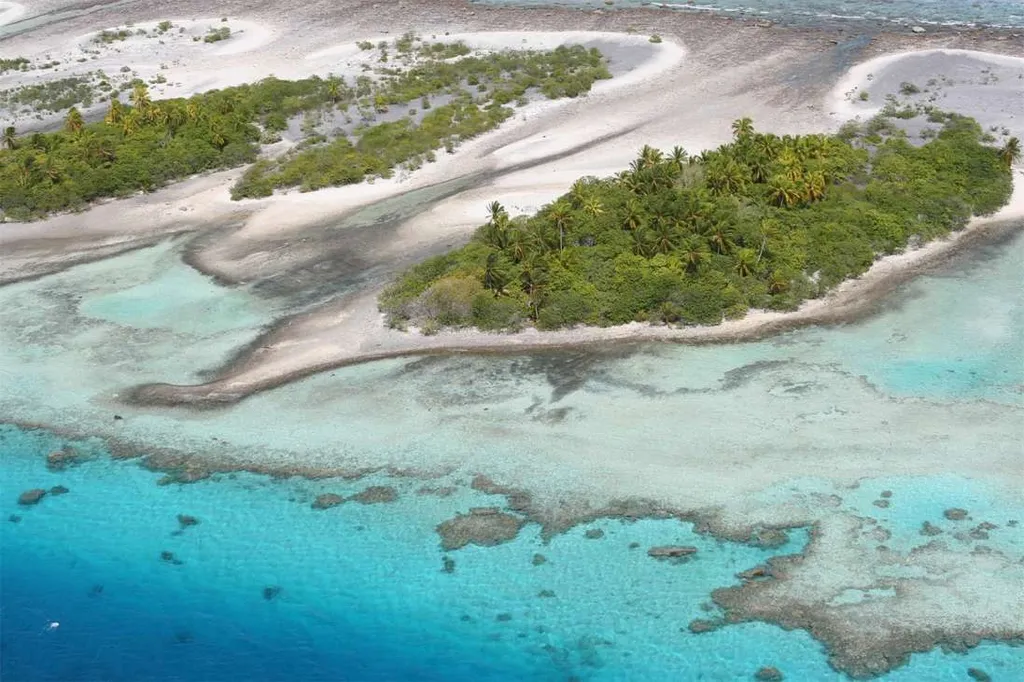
(768, 674)
(58, 460)
(184, 520)
(449, 565)
(769, 537)
(671, 551)
(759, 571)
(699, 625)
(979, 675)
(928, 528)
(30, 497)
(327, 500)
(539, 559)
(170, 558)
(546, 594)
(484, 527)
(270, 592)
(375, 494)
(14, 518)
(594, 534)
(59, 490)
(503, 617)
(955, 514)
(882, 504)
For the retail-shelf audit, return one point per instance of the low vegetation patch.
(146, 143)
(762, 222)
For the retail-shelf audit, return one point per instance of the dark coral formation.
(700, 625)
(955, 514)
(927, 528)
(448, 565)
(30, 497)
(327, 500)
(594, 534)
(669, 552)
(768, 674)
(375, 494)
(59, 460)
(185, 521)
(539, 559)
(271, 592)
(59, 490)
(486, 527)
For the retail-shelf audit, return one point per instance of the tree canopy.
(762, 222)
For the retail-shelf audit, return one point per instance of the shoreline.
(850, 301)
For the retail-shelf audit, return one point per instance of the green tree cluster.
(495, 79)
(762, 222)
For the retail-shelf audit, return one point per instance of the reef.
(873, 608)
(59, 460)
(669, 552)
(327, 500)
(768, 674)
(30, 497)
(59, 490)
(483, 526)
(375, 494)
(185, 521)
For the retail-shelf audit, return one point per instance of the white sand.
(11, 12)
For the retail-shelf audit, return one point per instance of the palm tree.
(742, 128)
(634, 216)
(592, 206)
(496, 273)
(641, 243)
(649, 156)
(140, 97)
(73, 122)
(677, 157)
(332, 88)
(814, 187)
(10, 137)
(664, 237)
(1010, 152)
(746, 260)
(495, 210)
(560, 215)
(115, 114)
(578, 193)
(694, 253)
(783, 191)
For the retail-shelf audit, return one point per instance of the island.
(763, 222)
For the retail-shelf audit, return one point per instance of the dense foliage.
(762, 222)
(147, 143)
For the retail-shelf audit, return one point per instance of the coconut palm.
(1010, 152)
(649, 156)
(746, 260)
(664, 237)
(10, 137)
(140, 97)
(115, 113)
(694, 252)
(633, 218)
(677, 157)
(742, 128)
(592, 206)
(73, 121)
(560, 215)
(783, 191)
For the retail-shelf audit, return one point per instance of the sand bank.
(352, 330)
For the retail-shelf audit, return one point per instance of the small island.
(764, 222)
(418, 97)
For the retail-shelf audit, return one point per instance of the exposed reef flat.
(872, 608)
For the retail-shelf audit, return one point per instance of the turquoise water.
(953, 12)
(362, 594)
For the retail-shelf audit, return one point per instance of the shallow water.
(949, 12)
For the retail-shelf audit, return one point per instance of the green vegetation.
(908, 89)
(763, 222)
(145, 144)
(495, 81)
(15, 64)
(215, 35)
(107, 37)
(863, 96)
(655, 38)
